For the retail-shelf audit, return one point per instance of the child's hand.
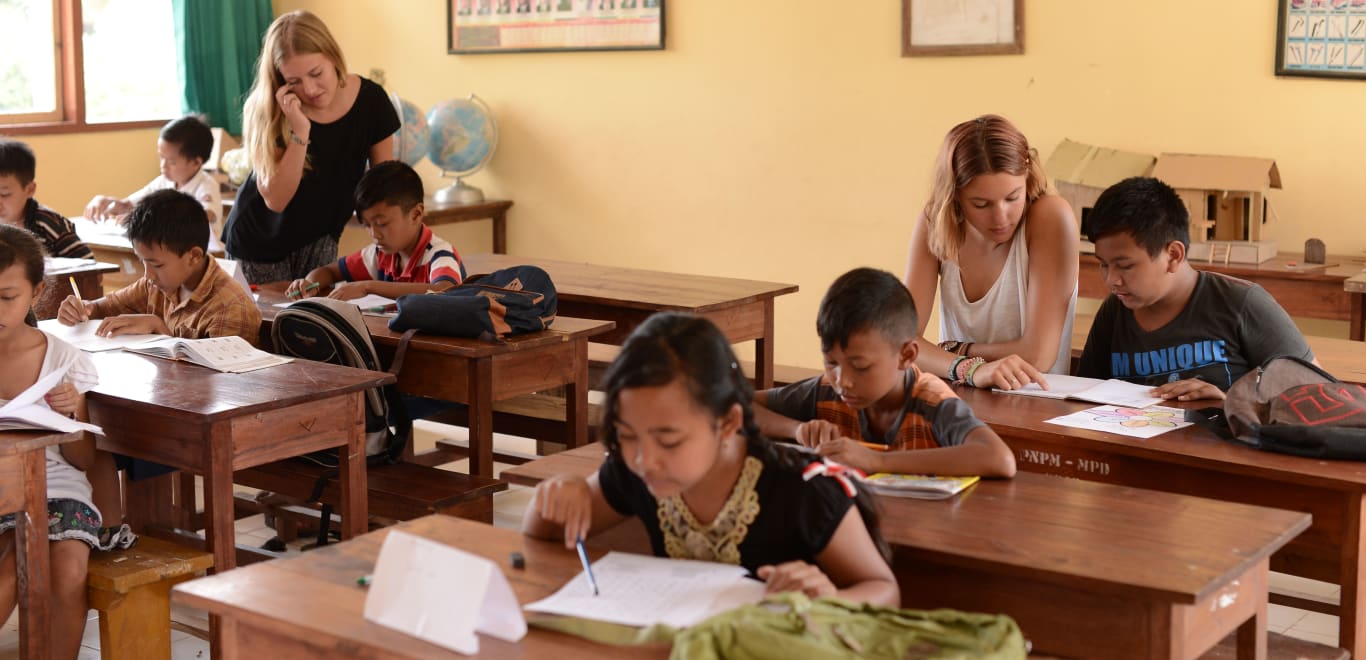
(292, 106)
(796, 576)
(1191, 389)
(566, 501)
(96, 209)
(73, 310)
(849, 452)
(349, 290)
(1008, 373)
(301, 288)
(816, 432)
(132, 324)
(64, 398)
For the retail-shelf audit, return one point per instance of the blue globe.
(463, 135)
(413, 138)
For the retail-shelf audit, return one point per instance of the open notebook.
(1112, 392)
(82, 336)
(918, 486)
(230, 354)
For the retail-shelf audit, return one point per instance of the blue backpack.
(491, 307)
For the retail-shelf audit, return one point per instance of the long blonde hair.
(264, 129)
(986, 145)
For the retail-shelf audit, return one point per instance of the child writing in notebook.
(73, 521)
(685, 456)
(18, 208)
(404, 257)
(183, 147)
(1190, 334)
(873, 409)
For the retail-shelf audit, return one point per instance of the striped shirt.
(218, 307)
(55, 231)
(433, 260)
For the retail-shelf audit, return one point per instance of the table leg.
(351, 472)
(763, 351)
(500, 236)
(1351, 626)
(1251, 641)
(34, 575)
(218, 508)
(480, 389)
(1357, 330)
(576, 398)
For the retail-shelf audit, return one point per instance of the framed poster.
(522, 26)
(1321, 38)
(962, 27)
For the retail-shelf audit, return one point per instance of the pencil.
(587, 567)
(75, 289)
(874, 446)
(305, 289)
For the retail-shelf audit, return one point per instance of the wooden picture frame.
(932, 28)
(526, 26)
(1315, 39)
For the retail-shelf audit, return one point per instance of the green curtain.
(218, 41)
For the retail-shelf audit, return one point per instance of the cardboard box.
(1081, 172)
(1237, 252)
(1226, 195)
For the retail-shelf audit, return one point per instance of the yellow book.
(919, 486)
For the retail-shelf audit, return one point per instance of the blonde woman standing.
(1002, 251)
(310, 129)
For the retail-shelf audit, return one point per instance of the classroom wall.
(789, 141)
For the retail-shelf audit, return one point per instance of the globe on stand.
(413, 139)
(463, 137)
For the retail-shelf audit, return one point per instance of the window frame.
(70, 114)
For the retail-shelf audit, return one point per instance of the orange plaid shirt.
(218, 307)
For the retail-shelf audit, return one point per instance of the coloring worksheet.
(1132, 422)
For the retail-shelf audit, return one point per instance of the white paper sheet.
(1133, 422)
(1113, 392)
(442, 594)
(82, 336)
(368, 301)
(24, 411)
(639, 590)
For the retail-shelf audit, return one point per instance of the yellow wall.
(786, 141)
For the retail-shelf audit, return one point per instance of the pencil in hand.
(304, 289)
(587, 567)
(80, 300)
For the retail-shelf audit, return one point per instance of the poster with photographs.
(1321, 38)
(518, 26)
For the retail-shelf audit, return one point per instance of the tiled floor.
(508, 507)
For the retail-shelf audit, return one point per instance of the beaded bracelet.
(953, 368)
(976, 362)
(961, 374)
(950, 345)
(964, 347)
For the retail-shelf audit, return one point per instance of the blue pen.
(587, 567)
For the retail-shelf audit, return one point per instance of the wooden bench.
(131, 589)
(401, 491)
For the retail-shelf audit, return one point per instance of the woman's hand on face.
(293, 109)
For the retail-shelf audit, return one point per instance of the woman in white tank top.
(1002, 251)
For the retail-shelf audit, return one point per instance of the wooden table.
(440, 213)
(1192, 461)
(477, 373)
(88, 279)
(114, 248)
(210, 423)
(1305, 291)
(1355, 286)
(743, 309)
(23, 492)
(1086, 569)
(310, 606)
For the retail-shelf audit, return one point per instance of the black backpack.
(333, 331)
(506, 302)
(1293, 407)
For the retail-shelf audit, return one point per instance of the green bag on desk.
(790, 625)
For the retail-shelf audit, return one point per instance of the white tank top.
(999, 315)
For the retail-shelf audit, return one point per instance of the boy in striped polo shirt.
(18, 207)
(405, 257)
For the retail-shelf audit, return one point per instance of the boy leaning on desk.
(405, 256)
(18, 208)
(873, 409)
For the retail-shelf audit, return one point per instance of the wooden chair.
(131, 589)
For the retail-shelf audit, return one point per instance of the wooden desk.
(1086, 569)
(211, 423)
(321, 612)
(477, 373)
(1192, 461)
(112, 247)
(23, 492)
(743, 309)
(1355, 286)
(440, 213)
(1306, 292)
(88, 279)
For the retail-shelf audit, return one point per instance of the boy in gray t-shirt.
(1189, 334)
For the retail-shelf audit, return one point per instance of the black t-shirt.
(1229, 327)
(337, 157)
(796, 518)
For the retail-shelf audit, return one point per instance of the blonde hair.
(989, 144)
(264, 129)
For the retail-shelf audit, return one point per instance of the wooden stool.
(132, 591)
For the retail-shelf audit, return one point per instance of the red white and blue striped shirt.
(433, 260)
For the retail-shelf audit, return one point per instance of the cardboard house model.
(1227, 200)
(1081, 172)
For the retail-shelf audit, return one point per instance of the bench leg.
(137, 624)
